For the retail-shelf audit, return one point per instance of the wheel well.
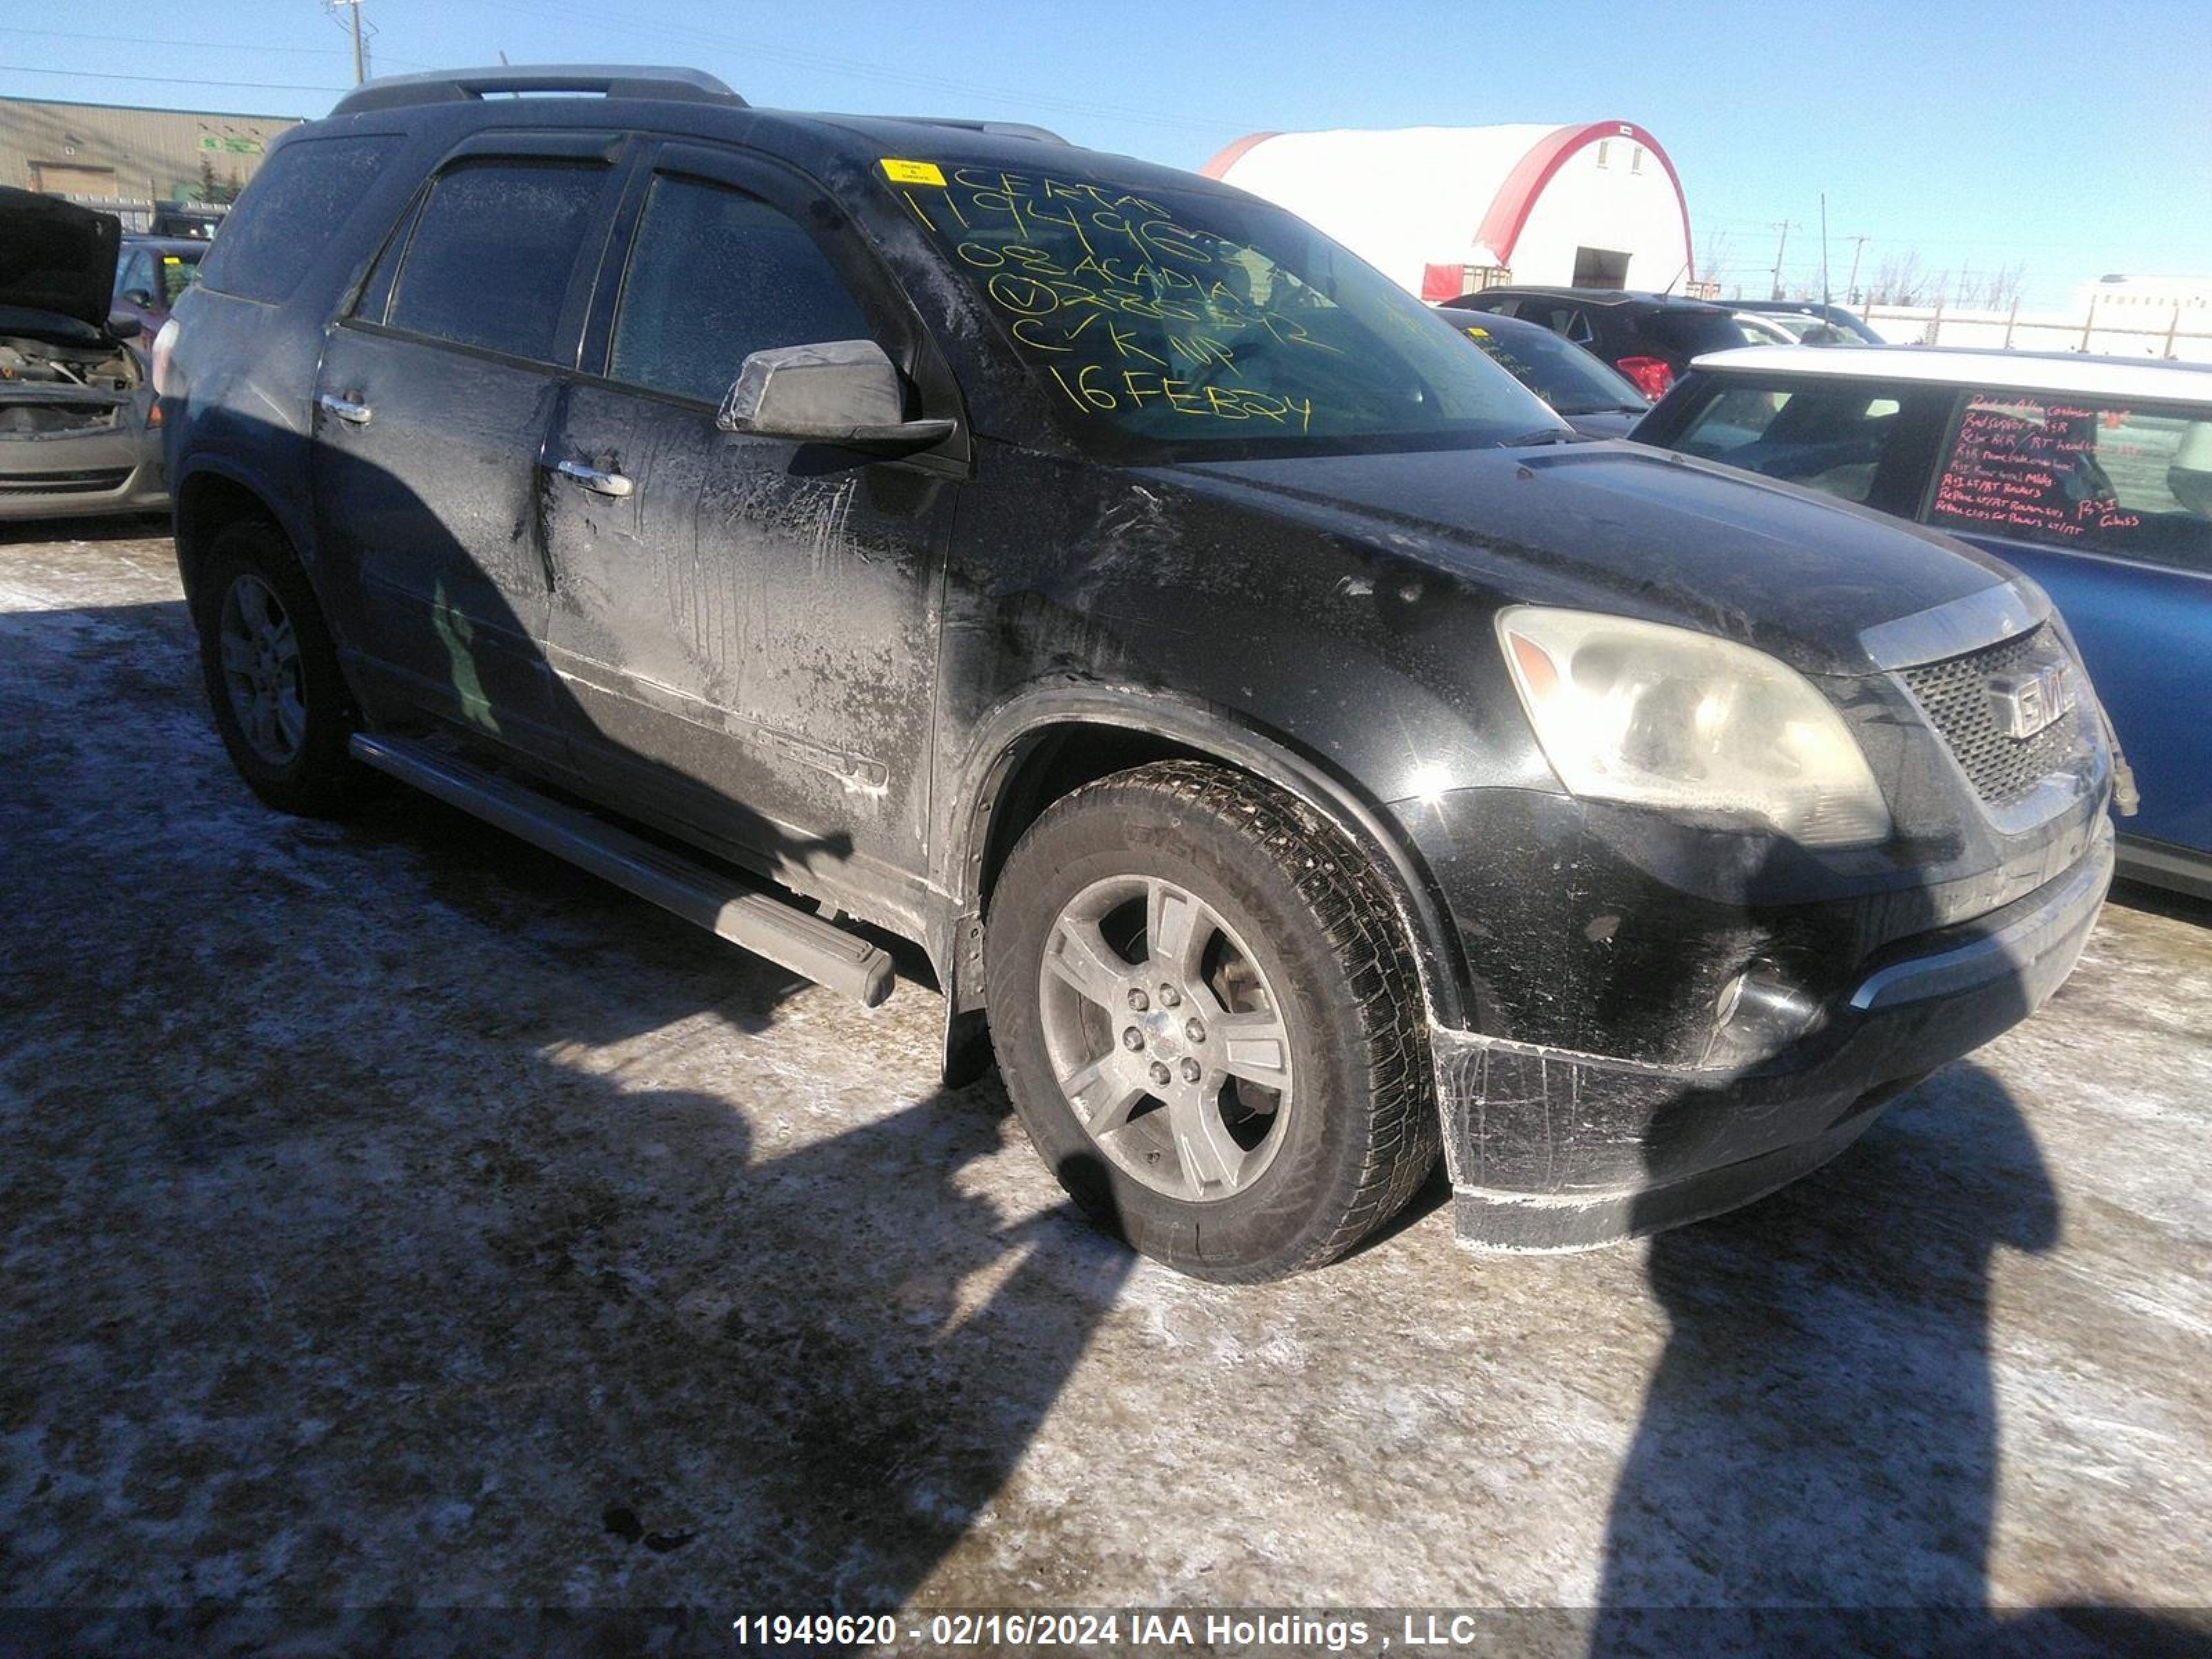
(1064, 756)
(206, 504)
(1058, 762)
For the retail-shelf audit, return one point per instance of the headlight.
(1633, 711)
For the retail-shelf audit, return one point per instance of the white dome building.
(1445, 210)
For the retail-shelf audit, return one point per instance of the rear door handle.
(604, 484)
(345, 408)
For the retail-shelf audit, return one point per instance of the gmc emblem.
(2027, 702)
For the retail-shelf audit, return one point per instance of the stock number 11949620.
(942, 1629)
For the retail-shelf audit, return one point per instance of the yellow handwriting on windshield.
(1129, 308)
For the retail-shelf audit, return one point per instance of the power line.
(146, 41)
(169, 80)
(212, 45)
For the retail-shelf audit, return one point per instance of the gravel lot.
(395, 1216)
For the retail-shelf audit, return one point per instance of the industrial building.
(1445, 210)
(109, 153)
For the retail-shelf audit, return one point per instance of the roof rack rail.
(1003, 129)
(611, 80)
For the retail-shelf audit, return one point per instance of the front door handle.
(345, 408)
(604, 484)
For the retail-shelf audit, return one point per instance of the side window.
(177, 274)
(493, 250)
(295, 204)
(132, 275)
(1830, 437)
(1578, 327)
(2088, 472)
(714, 275)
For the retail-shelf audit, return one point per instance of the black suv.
(1303, 750)
(1650, 337)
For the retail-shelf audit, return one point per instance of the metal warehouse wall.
(115, 150)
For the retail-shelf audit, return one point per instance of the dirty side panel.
(750, 636)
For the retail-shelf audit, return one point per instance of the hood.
(1639, 532)
(58, 258)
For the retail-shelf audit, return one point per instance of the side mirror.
(843, 391)
(122, 327)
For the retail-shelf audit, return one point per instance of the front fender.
(1008, 734)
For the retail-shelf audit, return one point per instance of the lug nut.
(1189, 1069)
(1170, 996)
(1160, 1072)
(1132, 1039)
(1138, 1001)
(1195, 1029)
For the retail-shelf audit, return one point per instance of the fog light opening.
(1758, 1013)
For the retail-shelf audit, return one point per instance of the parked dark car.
(150, 273)
(2093, 474)
(76, 408)
(1794, 314)
(1290, 753)
(1587, 395)
(1648, 337)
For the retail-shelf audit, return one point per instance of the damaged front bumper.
(1553, 1150)
(59, 467)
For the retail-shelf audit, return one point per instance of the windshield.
(1189, 319)
(1558, 371)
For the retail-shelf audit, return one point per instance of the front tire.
(271, 672)
(1209, 1022)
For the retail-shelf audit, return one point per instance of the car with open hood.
(1294, 752)
(77, 416)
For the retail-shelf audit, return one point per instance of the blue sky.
(2076, 138)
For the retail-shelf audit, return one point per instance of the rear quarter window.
(290, 212)
(1692, 333)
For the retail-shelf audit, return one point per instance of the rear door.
(2107, 504)
(434, 401)
(744, 629)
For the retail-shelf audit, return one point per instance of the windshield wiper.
(1543, 435)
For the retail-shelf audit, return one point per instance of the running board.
(784, 934)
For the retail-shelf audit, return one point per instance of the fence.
(137, 212)
(2180, 335)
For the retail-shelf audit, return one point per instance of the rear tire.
(272, 678)
(1238, 1082)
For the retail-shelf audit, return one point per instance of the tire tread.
(1336, 881)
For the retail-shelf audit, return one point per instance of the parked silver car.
(78, 427)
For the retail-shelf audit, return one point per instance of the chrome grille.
(1955, 695)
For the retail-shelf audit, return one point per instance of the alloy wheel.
(1170, 1045)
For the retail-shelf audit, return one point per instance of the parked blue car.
(2093, 474)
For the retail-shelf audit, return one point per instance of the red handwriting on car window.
(2023, 466)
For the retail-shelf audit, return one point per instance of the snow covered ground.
(394, 1216)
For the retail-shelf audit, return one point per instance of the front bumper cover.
(78, 474)
(1553, 1150)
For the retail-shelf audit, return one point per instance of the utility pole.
(1851, 287)
(360, 45)
(1783, 227)
(1825, 299)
